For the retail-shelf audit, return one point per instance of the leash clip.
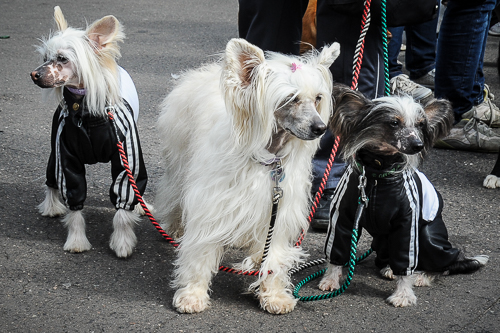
(277, 175)
(362, 185)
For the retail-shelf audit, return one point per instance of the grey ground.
(44, 289)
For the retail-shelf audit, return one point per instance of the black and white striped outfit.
(403, 217)
(79, 138)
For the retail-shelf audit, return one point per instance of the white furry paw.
(403, 296)
(191, 300)
(387, 273)
(491, 181)
(331, 280)
(278, 303)
(423, 280)
(402, 300)
(123, 239)
(51, 206)
(77, 240)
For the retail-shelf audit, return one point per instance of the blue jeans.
(420, 52)
(460, 53)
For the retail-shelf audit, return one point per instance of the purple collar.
(77, 91)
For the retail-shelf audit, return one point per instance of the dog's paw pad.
(191, 301)
(278, 304)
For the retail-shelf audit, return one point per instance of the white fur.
(491, 181)
(403, 295)
(331, 279)
(77, 240)
(51, 206)
(215, 127)
(123, 239)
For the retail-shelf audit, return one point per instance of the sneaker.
(474, 136)
(494, 30)
(427, 80)
(321, 218)
(402, 85)
(487, 111)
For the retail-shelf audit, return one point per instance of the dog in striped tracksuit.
(384, 140)
(81, 72)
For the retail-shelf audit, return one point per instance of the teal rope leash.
(362, 204)
(383, 5)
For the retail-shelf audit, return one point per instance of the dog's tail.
(467, 265)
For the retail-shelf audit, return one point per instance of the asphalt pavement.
(45, 289)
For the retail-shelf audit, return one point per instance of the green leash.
(362, 203)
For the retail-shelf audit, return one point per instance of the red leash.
(358, 59)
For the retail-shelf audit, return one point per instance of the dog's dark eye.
(318, 99)
(62, 59)
(394, 123)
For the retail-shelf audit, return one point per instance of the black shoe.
(321, 218)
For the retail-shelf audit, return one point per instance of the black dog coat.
(403, 217)
(79, 138)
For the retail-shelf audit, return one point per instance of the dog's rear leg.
(51, 205)
(77, 240)
(123, 239)
(195, 266)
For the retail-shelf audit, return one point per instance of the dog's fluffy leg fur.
(387, 273)
(331, 280)
(123, 239)
(491, 181)
(140, 211)
(77, 240)
(403, 295)
(51, 205)
(195, 266)
(274, 296)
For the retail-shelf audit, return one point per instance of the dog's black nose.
(417, 146)
(318, 128)
(35, 75)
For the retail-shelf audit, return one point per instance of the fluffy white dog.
(224, 128)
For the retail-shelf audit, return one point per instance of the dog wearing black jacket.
(384, 140)
(80, 72)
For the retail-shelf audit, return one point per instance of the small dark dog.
(81, 72)
(384, 140)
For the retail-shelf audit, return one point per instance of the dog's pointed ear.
(347, 108)
(440, 118)
(328, 55)
(61, 22)
(104, 31)
(241, 59)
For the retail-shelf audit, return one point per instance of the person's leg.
(394, 47)
(421, 42)
(272, 25)
(460, 53)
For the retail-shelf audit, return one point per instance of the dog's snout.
(318, 128)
